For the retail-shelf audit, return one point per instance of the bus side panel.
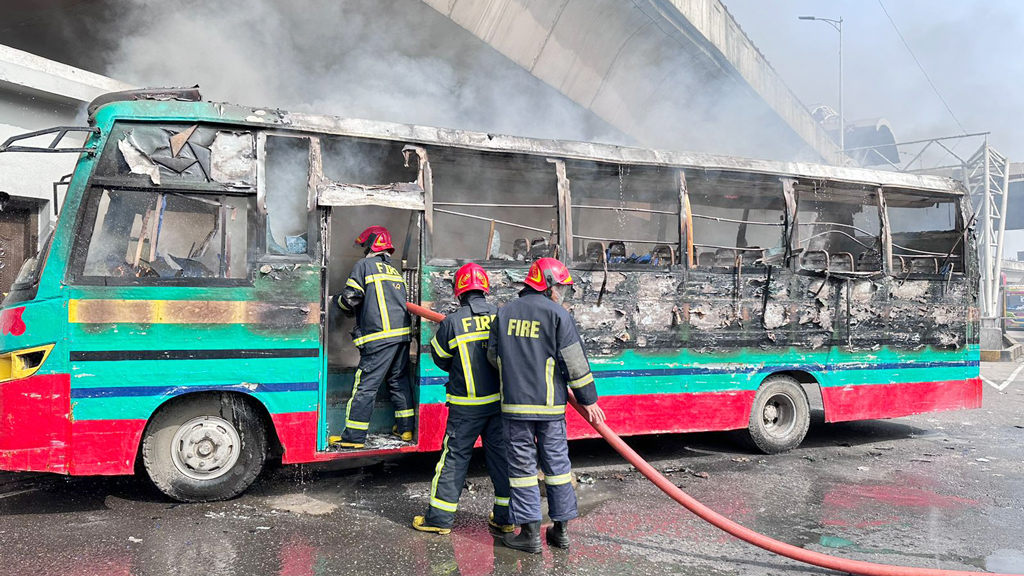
(104, 447)
(135, 348)
(844, 403)
(35, 429)
(901, 383)
(35, 423)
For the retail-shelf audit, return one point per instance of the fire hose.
(727, 525)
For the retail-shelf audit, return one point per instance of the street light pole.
(838, 25)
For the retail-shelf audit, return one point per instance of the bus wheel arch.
(780, 414)
(206, 446)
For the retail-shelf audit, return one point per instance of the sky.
(971, 50)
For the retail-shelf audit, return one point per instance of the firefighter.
(375, 294)
(474, 410)
(536, 346)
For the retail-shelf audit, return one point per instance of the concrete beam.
(670, 73)
(25, 73)
(715, 24)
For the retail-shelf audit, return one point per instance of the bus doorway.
(384, 176)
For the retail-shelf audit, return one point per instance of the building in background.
(36, 93)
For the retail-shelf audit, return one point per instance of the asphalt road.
(938, 490)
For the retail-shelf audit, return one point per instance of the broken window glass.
(927, 233)
(737, 219)
(839, 228)
(179, 154)
(624, 214)
(287, 194)
(151, 235)
(493, 206)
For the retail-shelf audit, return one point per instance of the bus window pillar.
(883, 216)
(791, 227)
(425, 178)
(565, 240)
(686, 256)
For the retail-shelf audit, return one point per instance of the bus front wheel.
(780, 416)
(204, 448)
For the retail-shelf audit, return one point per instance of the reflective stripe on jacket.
(375, 291)
(538, 351)
(459, 348)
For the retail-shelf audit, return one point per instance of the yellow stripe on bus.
(99, 311)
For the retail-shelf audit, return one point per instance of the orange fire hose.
(723, 523)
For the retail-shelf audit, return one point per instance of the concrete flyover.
(671, 73)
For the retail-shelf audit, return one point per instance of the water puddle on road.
(1006, 561)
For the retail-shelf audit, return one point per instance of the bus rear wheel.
(204, 448)
(780, 417)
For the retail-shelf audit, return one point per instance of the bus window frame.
(313, 176)
(569, 235)
(689, 257)
(883, 238)
(427, 231)
(86, 220)
(960, 228)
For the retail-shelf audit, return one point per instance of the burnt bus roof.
(186, 104)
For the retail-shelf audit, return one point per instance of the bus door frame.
(326, 194)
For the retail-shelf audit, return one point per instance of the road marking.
(17, 492)
(1006, 382)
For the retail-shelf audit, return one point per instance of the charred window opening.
(372, 168)
(927, 233)
(286, 192)
(493, 207)
(369, 173)
(737, 219)
(170, 237)
(838, 228)
(179, 155)
(623, 214)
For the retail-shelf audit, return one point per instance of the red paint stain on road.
(856, 496)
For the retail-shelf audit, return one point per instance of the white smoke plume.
(393, 60)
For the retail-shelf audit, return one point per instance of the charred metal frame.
(60, 131)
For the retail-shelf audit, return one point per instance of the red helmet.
(471, 277)
(376, 239)
(546, 273)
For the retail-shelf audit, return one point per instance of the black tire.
(230, 447)
(780, 416)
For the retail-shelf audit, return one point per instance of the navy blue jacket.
(459, 347)
(376, 293)
(537, 349)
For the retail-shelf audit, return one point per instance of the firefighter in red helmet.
(536, 346)
(375, 293)
(473, 406)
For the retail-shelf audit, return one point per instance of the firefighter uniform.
(473, 411)
(538, 351)
(376, 293)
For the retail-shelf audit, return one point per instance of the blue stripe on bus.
(701, 370)
(128, 391)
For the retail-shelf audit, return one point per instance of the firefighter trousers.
(450, 475)
(386, 364)
(527, 442)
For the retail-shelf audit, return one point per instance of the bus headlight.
(23, 363)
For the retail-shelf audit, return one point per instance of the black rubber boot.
(528, 539)
(558, 534)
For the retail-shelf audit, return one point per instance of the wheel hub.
(205, 448)
(779, 415)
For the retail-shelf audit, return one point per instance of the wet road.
(940, 490)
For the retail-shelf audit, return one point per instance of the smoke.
(393, 60)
